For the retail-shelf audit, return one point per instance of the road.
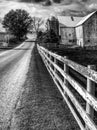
(29, 99)
(14, 66)
(41, 106)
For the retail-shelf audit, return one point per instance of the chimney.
(72, 18)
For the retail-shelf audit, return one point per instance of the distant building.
(3, 36)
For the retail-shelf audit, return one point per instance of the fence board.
(65, 98)
(90, 74)
(79, 108)
(87, 96)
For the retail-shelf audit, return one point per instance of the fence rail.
(51, 60)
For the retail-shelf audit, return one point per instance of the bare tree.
(37, 23)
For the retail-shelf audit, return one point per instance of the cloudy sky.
(45, 8)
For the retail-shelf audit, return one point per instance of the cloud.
(34, 9)
(57, 7)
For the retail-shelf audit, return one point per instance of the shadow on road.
(21, 48)
(10, 48)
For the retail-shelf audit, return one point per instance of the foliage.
(17, 22)
(50, 37)
(48, 3)
(57, 1)
(40, 36)
(15, 41)
(47, 37)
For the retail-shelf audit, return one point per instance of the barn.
(78, 30)
(86, 30)
(67, 29)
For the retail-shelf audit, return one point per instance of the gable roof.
(86, 18)
(69, 21)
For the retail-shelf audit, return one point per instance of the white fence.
(51, 62)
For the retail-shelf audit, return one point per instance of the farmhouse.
(78, 30)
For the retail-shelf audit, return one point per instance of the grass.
(80, 55)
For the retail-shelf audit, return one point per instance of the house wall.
(4, 38)
(68, 36)
(79, 36)
(90, 30)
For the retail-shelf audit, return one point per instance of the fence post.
(50, 59)
(66, 71)
(47, 56)
(91, 90)
(55, 61)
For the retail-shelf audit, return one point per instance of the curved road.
(14, 66)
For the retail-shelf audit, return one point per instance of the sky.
(48, 8)
(41, 8)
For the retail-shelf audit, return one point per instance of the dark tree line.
(47, 37)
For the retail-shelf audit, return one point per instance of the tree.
(50, 37)
(48, 3)
(17, 22)
(37, 22)
(40, 37)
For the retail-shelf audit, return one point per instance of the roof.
(85, 18)
(69, 21)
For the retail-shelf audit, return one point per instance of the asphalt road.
(14, 66)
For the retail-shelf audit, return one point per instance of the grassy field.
(80, 55)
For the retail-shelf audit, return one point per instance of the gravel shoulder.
(41, 106)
